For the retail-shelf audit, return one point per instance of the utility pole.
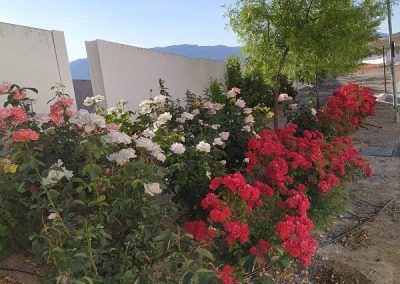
(392, 66)
(384, 66)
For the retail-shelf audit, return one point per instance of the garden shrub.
(343, 113)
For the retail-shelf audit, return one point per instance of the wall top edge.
(153, 51)
(28, 27)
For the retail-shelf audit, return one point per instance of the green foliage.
(304, 39)
(254, 90)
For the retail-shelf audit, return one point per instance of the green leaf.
(92, 170)
(80, 254)
(142, 279)
(53, 194)
(264, 280)
(204, 252)
(187, 277)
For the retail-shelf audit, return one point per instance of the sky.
(143, 23)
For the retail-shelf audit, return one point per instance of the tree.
(303, 39)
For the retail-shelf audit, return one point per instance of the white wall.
(120, 71)
(37, 58)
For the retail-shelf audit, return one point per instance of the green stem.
(89, 242)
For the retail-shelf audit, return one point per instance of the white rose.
(203, 147)
(224, 135)
(247, 110)
(149, 133)
(163, 119)
(88, 101)
(230, 94)
(52, 216)
(98, 98)
(187, 115)
(152, 188)
(313, 111)
(215, 126)
(218, 141)
(246, 128)
(160, 99)
(249, 119)
(115, 137)
(223, 162)
(178, 148)
(246, 160)
(240, 103)
(123, 156)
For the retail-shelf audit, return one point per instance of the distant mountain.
(217, 52)
(80, 67)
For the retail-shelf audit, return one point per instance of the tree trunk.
(316, 93)
(278, 87)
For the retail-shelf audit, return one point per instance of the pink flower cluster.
(60, 110)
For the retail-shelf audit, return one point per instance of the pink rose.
(236, 90)
(4, 87)
(19, 95)
(19, 115)
(112, 127)
(293, 107)
(23, 135)
(284, 97)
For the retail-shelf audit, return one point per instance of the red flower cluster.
(347, 108)
(295, 234)
(225, 274)
(199, 231)
(259, 250)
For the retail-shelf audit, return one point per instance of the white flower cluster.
(115, 137)
(185, 116)
(153, 148)
(93, 100)
(56, 173)
(162, 119)
(178, 148)
(88, 121)
(152, 188)
(123, 156)
(203, 147)
(146, 105)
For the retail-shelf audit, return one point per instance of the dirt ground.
(369, 254)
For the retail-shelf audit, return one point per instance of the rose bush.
(91, 192)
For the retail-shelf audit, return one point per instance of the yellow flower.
(270, 114)
(197, 103)
(10, 168)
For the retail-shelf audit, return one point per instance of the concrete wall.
(83, 89)
(37, 58)
(120, 71)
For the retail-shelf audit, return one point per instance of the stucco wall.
(36, 58)
(83, 89)
(120, 71)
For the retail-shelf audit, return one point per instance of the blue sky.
(144, 23)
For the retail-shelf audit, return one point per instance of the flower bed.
(80, 188)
